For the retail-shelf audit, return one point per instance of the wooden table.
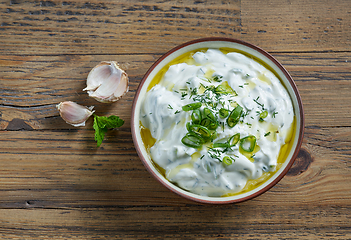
(54, 181)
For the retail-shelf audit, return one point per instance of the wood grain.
(55, 183)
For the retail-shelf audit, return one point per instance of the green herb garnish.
(267, 134)
(102, 124)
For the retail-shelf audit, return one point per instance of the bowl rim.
(215, 200)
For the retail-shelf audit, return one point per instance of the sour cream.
(267, 115)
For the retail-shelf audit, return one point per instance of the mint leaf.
(114, 122)
(102, 124)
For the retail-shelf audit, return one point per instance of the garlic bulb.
(107, 82)
(73, 113)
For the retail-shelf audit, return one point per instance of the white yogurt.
(257, 90)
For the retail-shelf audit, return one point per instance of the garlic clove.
(73, 113)
(107, 82)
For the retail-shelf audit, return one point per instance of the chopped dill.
(267, 134)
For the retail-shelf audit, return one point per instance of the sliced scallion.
(248, 143)
(234, 116)
(202, 131)
(227, 160)
(192, 140)
(192, 106)
(208, 114)
(220, 145)
(196, 116)
(233, 140)
(223, 113)
(263, 115)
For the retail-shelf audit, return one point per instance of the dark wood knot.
(301, 164)
(18, 124)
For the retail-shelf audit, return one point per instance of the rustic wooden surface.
(55, 183)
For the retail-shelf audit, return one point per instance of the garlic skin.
(73, 113)
(107, 82)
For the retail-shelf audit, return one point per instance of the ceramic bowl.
(243, 47)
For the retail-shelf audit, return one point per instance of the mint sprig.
(102, 124)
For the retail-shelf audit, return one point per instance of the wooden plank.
(27, 99)
(57, 169)
(249, 221)
(110, 27)
(66, 27)
(297, 25)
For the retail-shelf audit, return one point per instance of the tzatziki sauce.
(219, 119)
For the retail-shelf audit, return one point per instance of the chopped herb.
(267, 134)
(256, 101)
(169, 106)
(176, 112)
(217, 78)
(193, 92)
(273, 115)
(215, 154)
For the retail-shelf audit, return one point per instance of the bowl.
(248, 49)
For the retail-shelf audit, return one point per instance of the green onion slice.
(213, 136)
(196, 116)
(192, 140)
(192, 106)
(213, 126)
(227, 160)
(188, 124)
(220, 145)
(206, 122)
(263, 114)
(248, 143)
(223, 113)
(202, 131)
(209, 120)
(208, 114)
(234, 116)
(233, 140)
